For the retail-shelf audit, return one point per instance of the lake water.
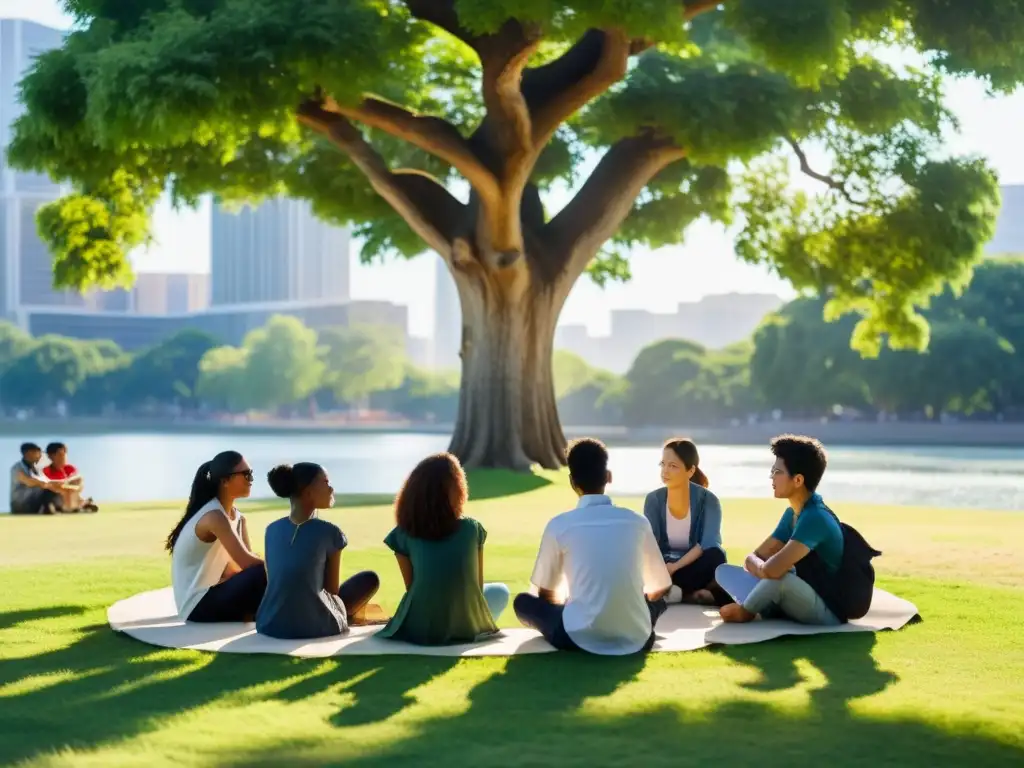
(157, 467)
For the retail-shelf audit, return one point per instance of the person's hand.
(753, 565)
(55, 485)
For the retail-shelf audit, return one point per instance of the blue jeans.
(497, 596)
(787, 598)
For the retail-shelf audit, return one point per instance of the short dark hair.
(588, 464)
(802, 455)
(26, 447)
(432, 498)
(52, 448)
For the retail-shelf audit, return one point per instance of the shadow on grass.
(13, 618)
(106, 687)
(539, 710)
(845, 660)
(498, 483)
(535, 714)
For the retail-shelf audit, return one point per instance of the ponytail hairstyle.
(205, 486)
(686, 450)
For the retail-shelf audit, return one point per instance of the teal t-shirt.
(816, 529)
(445, 604)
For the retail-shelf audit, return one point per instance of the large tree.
(443, 123)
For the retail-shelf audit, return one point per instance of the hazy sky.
(704, 265)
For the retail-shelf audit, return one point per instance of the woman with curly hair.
(441, 556)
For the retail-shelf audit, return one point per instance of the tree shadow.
(381, 684)
(107, 687)
(13, 618)
(535, 713)
(498, 483)
(846, 660)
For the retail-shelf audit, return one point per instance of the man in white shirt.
(610, 562)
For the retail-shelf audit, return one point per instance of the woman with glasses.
(215, 575)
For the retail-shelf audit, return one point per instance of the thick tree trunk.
(507, 411)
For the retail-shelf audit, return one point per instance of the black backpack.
(848, 591)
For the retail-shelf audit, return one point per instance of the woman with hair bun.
(687, 522)
(305, 597)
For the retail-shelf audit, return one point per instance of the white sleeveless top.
(195, 565)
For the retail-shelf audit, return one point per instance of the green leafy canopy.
(200, 97)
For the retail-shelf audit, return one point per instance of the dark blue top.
(296, 605)
(705, 522)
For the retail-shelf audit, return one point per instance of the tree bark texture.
(513, 268)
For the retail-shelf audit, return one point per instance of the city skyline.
(705, 265)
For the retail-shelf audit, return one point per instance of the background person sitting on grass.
(305, 597)
(812, 569)
(215, 575)
(66, 473)
(610, 562)
(31, 492)
(441, 556)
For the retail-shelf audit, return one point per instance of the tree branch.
(694, 8)
(504, 58)
(428, 208)
(805, 168)
(607, 197)
(557, 90)
(431, 134)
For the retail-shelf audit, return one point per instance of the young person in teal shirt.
(806, 544)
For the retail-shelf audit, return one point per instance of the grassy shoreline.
(950, 690)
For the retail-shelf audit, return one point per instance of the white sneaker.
(675, 595)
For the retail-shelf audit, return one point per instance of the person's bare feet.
(734, 613)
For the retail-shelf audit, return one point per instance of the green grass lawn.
(949, 690)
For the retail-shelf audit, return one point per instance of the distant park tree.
(13, 343)
(223, 379)
(168, 372)
(51, 370)
(362, 359)
(371, 109)
(974, 361)
(283, 363)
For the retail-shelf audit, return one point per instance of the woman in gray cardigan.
(687, 522)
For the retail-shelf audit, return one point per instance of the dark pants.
(33, 502)
(700, 574)
(356, 591)
(233, 600)
(546, 618)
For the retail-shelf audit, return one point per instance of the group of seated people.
(603, 575)
(56, 488)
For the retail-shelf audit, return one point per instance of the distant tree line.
(795, 362)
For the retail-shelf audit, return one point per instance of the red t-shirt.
(60, 474)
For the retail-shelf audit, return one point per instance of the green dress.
(445, 604)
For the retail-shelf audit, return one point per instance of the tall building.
(447, 320)
(26, 276)
(170, 293)
(1009, 237)
(278, 251)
